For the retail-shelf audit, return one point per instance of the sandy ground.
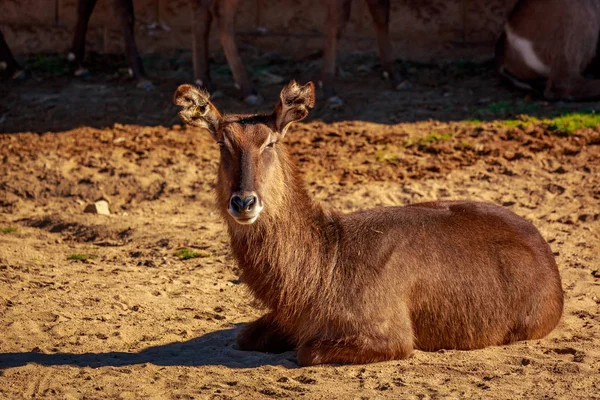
(132, 320)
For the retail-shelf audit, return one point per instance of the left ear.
(294, 103)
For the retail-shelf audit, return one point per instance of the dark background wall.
(422, 30)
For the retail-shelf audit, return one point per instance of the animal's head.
(250, 177)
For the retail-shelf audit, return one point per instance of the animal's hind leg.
(12, 67)
(352, 350)
(380, 11)
(264, 335)
(126, 16)
(338, 13)
(201, 21)
(84, 12)
(225, 11)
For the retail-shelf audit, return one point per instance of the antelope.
(372, 285)
(224, 13)
(548, 45)
(8, 62)
(125, 14)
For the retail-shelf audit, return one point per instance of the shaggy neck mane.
(287, 256)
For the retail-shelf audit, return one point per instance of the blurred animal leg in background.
(380, 11)
(10, 64)
(224, 11)
(338, 13)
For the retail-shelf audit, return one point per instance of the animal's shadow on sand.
(213, 348)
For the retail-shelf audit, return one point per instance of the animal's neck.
(287, 257)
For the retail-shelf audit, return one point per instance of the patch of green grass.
(463, 67)
(466, 144)
(499, 107)
(504, 109)
(434, 136)
(431, 137)
(566, 123)
(384, 156)
(186, 254)
(510, 123)
(520, 121)
(569, 123)
(48, 63)
(474, 122)
(80, 257)
(8, 229)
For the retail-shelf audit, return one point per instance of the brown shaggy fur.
(564, 37)
(372, 285)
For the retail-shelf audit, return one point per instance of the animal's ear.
(197, 110)
(294, 103)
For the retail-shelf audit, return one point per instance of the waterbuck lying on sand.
(547, 46)
(372, 285)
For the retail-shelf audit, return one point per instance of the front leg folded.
(351, 350)
(264, 335)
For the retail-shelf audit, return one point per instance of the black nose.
(243, 204)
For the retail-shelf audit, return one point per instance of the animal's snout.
(244, 203)
(244, 207)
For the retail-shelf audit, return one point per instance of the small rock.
(100, 207)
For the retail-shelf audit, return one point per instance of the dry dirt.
(132, 320)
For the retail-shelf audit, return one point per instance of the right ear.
(294, 102)
(197, 110)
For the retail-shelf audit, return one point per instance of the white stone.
(100, 207)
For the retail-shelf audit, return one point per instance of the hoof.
(397, 84)
(402, 85)
(145, 84)
(335, 102)
(81, 72)
(20, 75)
(253, 99)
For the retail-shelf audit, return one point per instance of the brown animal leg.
(225, 14)
(125, 14)
(572, 89)
(351, 350)
(380, 11)
(12, 67)
(264, 335)
(84, 11)
(201, 21)
(338, 13)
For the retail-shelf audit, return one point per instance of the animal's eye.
(270, 145)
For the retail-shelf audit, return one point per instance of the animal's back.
(470, 274)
